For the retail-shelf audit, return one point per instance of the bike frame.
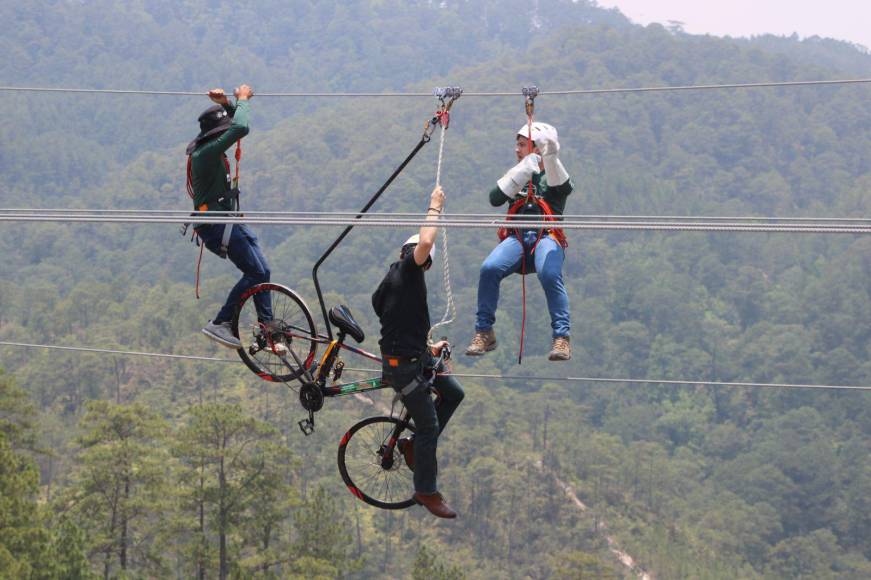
(314, 386)
(313, 401)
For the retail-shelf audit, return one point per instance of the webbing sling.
(234, 191)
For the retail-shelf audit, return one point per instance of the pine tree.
(118, 490)
(224, 453)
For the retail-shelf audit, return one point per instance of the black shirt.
(400, 303)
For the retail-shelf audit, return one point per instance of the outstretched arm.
(428, 233)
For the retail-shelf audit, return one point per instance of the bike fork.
(389, 448)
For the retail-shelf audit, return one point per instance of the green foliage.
(23, 539)
(231, 467)
(67, 556)
(428, 567)
(692, 481)
(581, 566)
(16, 413)
(118, 487)
(21, 536)
(323, 538)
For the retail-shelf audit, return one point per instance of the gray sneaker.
(222, 334)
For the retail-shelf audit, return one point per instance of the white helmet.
(539, 130)
(415, 239)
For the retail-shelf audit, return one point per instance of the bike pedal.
(307, 426)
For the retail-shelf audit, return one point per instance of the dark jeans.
(245, 253)
(429, 419)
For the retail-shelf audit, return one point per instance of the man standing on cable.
(401, 305)
(525, 250)
(210, 186)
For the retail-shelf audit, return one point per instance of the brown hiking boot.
(406, 447)
(435, 503)
(482, 343)
(562, 349)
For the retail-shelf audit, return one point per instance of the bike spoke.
(383, 482)
(290, 316)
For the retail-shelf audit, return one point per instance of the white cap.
(539, 130)
(415, 239)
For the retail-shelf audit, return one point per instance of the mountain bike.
(284, 349)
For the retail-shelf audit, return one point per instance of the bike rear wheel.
(266, 346)
(372, 466)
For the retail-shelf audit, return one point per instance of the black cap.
(213, 121)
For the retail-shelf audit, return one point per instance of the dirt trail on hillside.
(625, 559)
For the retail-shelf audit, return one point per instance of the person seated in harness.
(525, 250)
(401, 305)
(211, 188)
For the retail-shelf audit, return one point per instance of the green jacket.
(554, 196)
(210, 174)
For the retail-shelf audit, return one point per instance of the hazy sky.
(842, 19)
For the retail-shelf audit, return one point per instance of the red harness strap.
(548, 215)
(238, 159)
(530, 196)
(189, 184)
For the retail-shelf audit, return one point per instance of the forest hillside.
(106, 464)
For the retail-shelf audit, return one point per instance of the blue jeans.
(429, 419)
(546, 261)
(245, 253)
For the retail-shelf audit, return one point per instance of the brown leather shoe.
(482, 343)
(435, 503)
(562, 349)
(406, 447)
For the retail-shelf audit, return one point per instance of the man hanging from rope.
(401, 305)
(211, 188)
(529, 250)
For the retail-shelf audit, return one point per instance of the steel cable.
(186, 213)
(676, 226)
(499, 377)
(389, 94)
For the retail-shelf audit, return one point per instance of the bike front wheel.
(372, 466)
(266, 345)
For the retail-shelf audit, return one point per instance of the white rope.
(450, 308)
(498, 377)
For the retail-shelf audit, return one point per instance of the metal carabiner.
(530, 92)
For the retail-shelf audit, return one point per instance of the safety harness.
(231, 196)
(535, 205)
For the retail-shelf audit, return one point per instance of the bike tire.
(295, 328)
(362, 469)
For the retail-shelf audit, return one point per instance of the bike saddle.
(341, 317)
